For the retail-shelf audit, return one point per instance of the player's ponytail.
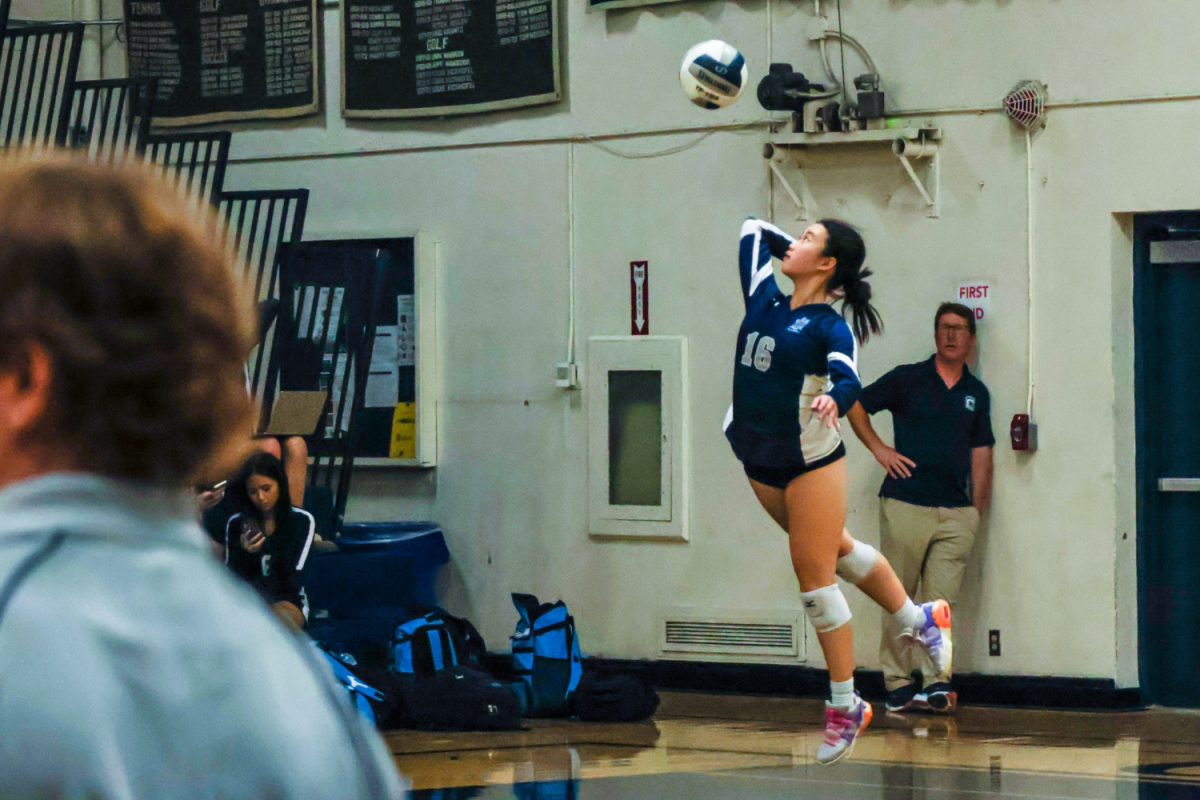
(850, 279)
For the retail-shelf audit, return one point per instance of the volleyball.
(713, 74)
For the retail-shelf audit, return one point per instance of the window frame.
(666, 355)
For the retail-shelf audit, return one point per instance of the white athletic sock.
(841, 693)
(910, 615)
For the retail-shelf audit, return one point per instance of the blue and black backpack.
(438, 659)
(546, 655)
(422, 645)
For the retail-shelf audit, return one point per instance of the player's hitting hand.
(826, 408)
(898, 466)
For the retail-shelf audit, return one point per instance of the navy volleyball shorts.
(780, 477)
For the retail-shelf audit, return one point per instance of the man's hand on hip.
(897, 465)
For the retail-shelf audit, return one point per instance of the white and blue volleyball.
(713, 74)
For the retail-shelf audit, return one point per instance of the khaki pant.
(928, 548)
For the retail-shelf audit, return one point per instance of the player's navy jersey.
(277, 568)
(785, 359)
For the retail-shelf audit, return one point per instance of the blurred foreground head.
(122, 329)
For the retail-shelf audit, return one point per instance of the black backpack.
(613, 698)
(460, 698)
(389, 713)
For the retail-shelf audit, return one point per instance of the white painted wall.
(1053, 569)
(96, 39)
(42, 9)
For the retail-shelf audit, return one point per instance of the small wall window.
(635, 438)
(637, 467)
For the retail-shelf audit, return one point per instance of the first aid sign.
(977, 296)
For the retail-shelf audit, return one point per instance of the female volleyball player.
(795, 373)
(267, 542)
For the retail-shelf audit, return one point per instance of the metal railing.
(195, 161)
(38, 64)
(110, 119)
(257, 224)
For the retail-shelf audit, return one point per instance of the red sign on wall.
(639, 298)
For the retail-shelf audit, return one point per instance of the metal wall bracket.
(908, 145)
(801, 209)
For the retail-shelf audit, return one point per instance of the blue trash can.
(358, 593)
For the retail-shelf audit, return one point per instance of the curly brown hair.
(122, 283)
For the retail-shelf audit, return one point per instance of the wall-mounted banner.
(426, 58)
(604, 5)
(977, 296)
(639, 298)
(221, 60)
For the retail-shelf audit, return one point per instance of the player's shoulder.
(827, 319)
(827, 313)
(764, 297)
(303, 519)
(303, 514)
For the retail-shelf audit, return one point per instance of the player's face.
(953, 338)
(806, 254)
(263, 491)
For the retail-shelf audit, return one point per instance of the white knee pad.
(826, 607)
(856, 565)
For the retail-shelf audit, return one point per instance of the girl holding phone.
(268, 540)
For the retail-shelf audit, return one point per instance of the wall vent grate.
(729, 637)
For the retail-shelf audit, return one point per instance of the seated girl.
(268, 540)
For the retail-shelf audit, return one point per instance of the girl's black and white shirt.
(785, 359)
(277, 568)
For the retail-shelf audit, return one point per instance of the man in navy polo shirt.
(938, 484)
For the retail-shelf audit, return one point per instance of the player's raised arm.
(760, 241)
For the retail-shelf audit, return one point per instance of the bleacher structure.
(258, 224)
(110, 119)
(44, 104)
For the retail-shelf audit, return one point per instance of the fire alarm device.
(1023, 433)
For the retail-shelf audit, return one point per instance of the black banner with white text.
(425, 58)
(220, 60)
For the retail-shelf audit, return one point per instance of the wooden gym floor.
(720, 746)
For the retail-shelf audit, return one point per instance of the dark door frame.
(1147, 228)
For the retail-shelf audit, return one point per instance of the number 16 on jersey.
(758, 357)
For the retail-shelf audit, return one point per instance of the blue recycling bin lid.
(423, 540)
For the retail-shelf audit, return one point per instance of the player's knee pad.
(826, 607)
(856, 565)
